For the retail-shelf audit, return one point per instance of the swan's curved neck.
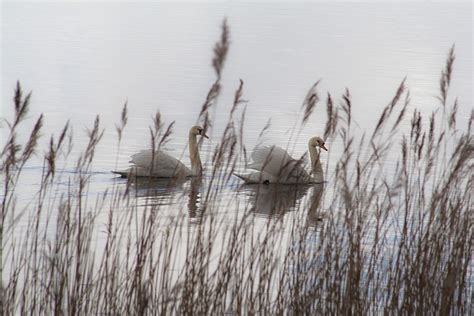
(316, 167)
(196, 167)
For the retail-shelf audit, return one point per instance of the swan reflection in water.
(162, 191)
(193, 201)
(159, 188)
(275, 200)
(268, 200)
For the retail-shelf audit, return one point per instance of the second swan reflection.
(273, 201)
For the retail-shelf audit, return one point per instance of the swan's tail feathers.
(248, 178)
(122, 173)
(252, 178)
(240, 176)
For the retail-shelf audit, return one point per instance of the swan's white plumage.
(161, 165)
(272, 158)
(164, 165)
(275, 165)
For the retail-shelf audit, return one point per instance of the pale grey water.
(87, 59)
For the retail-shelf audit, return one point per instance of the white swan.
(162, 165)
(275, 165)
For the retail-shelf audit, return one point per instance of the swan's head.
(317, 142)
(198, 130)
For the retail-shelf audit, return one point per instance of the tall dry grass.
(392, 244)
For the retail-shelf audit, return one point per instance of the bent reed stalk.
(382, 244)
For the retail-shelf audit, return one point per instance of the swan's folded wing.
(269, 158)
(294, 172)
(277, 162)
(164, 165)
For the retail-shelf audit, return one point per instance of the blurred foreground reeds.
(395, 244)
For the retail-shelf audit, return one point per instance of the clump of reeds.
(398, 242)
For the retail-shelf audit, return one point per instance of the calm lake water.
(87, 59)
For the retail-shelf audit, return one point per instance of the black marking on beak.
(201, 132)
